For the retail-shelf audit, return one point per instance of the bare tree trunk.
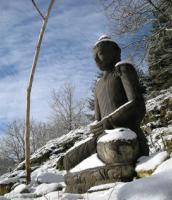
(29, 88)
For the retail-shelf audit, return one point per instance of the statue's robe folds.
(113, 92)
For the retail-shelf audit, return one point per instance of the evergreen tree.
(160, 52)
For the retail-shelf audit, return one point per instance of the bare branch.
(38, 10)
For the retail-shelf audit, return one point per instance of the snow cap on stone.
(118, 134)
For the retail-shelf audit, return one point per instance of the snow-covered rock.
(18, 196)
(3, 198)
(57, 147)
(91, 162)
(50, 178)
(146, 165)
(119, 145)
(46, 174)
(45, 188)
(102, 187)
(165, 166)
(118, 134)
(22, 188)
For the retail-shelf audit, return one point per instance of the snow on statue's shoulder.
(118, 134)
(146, 163)
(91, 162)
(124, 62)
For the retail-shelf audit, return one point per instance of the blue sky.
(66, 54)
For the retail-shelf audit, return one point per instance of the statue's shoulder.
(124, 67)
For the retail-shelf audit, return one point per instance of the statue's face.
(106, 55)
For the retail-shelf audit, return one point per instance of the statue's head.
(106, 53)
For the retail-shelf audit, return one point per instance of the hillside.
(153, 179)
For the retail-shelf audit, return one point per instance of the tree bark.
(28, 93)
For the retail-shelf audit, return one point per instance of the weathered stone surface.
(168, 144)
(5, 188)
(120, 151)
(79, 153)
(80, 182)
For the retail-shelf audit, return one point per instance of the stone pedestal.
(80, 182)
(117, 151)
(117, 148)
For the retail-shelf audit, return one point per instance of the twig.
(39, 11)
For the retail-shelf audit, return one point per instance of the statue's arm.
(134, 109)
(97, 109)
(129, 80)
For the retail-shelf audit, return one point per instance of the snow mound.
(102, 187)
(3, 198)
(44, 174)
(165, 166)
(9, 180)
(50, 178)
(69, 196)
(146, 163)
(118, 134)
(45, 188)
(156, 187)
(91, 162)
(22, 188)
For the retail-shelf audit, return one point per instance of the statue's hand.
(97, 128)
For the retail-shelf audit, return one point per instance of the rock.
(59, 163)
(168, 142)
(165, 166)
(18, 196)
(79, 152)
(103, 187)
(80, 182)
(56, 146)
(3, 198)
(50, 178)
(118, 146)
(22, 188)
(91, 162)
(5, 188)
(45, 188)
(147, 164)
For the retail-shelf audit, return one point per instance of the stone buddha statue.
(118, 98)
(117, 140)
